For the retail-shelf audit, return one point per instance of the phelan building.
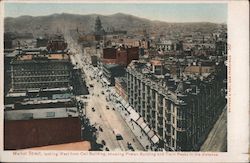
(180, 109)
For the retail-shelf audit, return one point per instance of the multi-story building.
(122, 55)
(21, 134)
(36, 70)
(180, 110)
(121, 87)
(168, 45)
(111, 71)
(41, 105)
(57, 43)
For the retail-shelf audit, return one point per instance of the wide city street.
(113, 131)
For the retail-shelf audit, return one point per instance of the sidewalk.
(140, 135)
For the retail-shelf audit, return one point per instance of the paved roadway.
(108, 119)
(217, 138)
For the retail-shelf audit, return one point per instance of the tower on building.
(99, 31)
(98, 26)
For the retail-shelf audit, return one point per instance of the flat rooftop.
(77, 146)
(36, 55)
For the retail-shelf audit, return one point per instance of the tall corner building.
(180, 111)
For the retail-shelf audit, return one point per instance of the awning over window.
(155, 139)
(123, 102)
(133, 115)
(143, 125)
(150, 133)
(146, 129)
(126, 105)
(119, 98)
(140, 121)
(129, 109)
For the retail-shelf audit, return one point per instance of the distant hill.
(40, 25)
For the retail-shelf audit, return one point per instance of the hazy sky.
(216, 12)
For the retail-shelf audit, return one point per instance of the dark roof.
(110, 66)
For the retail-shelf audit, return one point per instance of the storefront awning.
(129, 109)
(119, 99)
(146, 129)
(150, 133)
(155, 139)
(140, 121)
(143, 125)
(123, 102)
(133, 115)
(126, 105)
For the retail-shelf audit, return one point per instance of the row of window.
(31, 115)
(41, 79)
(40, 85)
(41, 66)
(40, 72)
